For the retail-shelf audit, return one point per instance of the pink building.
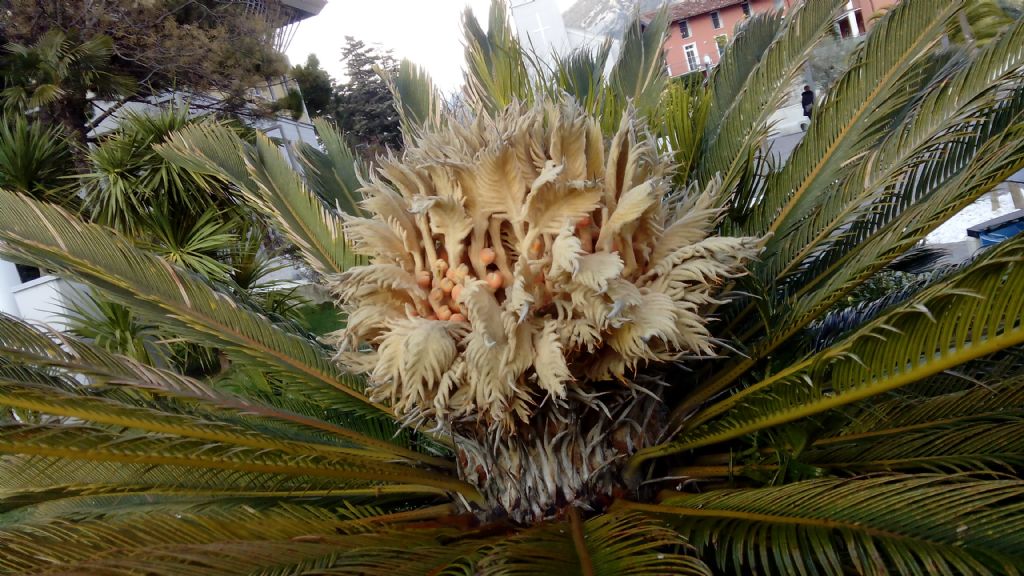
(699, 30)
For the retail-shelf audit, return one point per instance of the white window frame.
(721, 47)
(696, 57)
(686, 24)
(716, 17)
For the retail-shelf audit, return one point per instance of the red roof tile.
(683, 9)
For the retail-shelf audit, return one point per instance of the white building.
(541, 29)
(42, 298)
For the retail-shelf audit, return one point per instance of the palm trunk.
(568, 455)
(70, 113)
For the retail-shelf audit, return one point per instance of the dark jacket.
(806, 98)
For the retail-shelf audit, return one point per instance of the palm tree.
(35, 160)
(58, 77)
(590, 329)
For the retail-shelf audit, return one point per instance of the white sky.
(427, 32)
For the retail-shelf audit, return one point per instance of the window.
(684, 28)
(722, 41)
(746, 8)
(692, 59)
(716, 20)
(27, 273)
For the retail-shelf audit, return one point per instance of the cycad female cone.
(517, 265)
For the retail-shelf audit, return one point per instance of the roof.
(304, 8)
(683, 9)
(1012, 218)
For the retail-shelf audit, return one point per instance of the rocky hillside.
(608, 17)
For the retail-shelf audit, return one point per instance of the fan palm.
(58, 76)
(584, 334)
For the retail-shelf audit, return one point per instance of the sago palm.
(591, 327)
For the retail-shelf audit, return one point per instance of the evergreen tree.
(365, 109)
(117, 51)
(316, 85)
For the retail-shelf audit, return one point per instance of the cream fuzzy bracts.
(515, 259)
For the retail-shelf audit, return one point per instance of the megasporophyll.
(525, 275)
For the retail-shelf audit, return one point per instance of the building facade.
(700, 30)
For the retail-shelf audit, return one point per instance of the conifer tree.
(365, 108)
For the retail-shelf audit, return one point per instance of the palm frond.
(496, 68)
(41, 396)
(416, 99)
(79, 442)
(194, 245)
(886, 70)
(581, 74)
(967, 445)
(612, 544)
(729, 78)
(681, 120)
(334, 173)
(995, 397)
(226, 538)
(969, 315)
(959, 102)
(401, 552)
(743, 124)
(266, 180)
(128, 177)
(904, 524)
(955, 180)
(113, 327)
(54, 239)
(34, 158)
(304, 419)
(638, 75)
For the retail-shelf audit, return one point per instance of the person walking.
(807, 100)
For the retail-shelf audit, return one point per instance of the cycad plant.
(591, 327)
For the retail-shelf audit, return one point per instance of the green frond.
(269, 183)
(681, 120)
(34, 481)
(638, 75)
(729, 78)
(972, 429)
(37, 395)
(887, 181)
(743, 124)
(416, 99)
(34, 158)
(912, 525)
(335, 172)
(113, 327)
(581, 74)
(954, 179)
(128, 178)
(96, 545)
(880, 417)
(195, 245)
(54, 239)
(289, 416)
(886, 70)
(82, 500)
(970, 444)
(961, 175)
(400, 553)
(77, 442)
(607, 545)
(976, 312)
(496, 67)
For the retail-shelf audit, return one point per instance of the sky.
(424, 31)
